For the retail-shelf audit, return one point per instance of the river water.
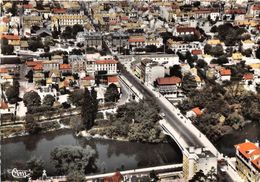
(226, 144)
(112, 155)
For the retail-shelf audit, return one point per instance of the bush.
(65, 121)
(52, 125)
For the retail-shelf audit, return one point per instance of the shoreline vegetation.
(133, 122)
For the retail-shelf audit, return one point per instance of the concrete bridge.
(197, 150)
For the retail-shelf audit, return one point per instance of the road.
(189, 137)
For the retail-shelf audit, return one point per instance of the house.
(237, 56)
(6, 111)
(78, 63)
(248, 44)
(196, 52)
(64, 20)
(43, 32)
(248, 78)
(195, 112)
(255, 10)
(106, 66)
(38, 77)
(150, 71)
(87, 81)
(117, 177)
(13, 40)
(54, 75)
(65, 68)
(50, 65)
(248, 161)
(112, 79)
(214, 42)
(169, 85)
(225, 74)
(136, 41)
(184, 30)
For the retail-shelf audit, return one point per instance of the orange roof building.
(197, 111)
(169, 81)
(4, 105)
(3, 70)
(65, 67)
(38, 67)
(106, 61)
(248, 76)
(10, 37)
(225, 72)
(112, 79)
(248, 160)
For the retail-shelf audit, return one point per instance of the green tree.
(34, 44)
(76, 97)
(75, 29)
(207, 49)
(6, 48)
(31, 99)
(37, 167)
(112, 93)
(73, 158)
(48, 100)
(76, 176)
(31, 125)
(12, 92)
(175, 70)
(88, 109)
(217, 50)
(257, 53)
(189, 83)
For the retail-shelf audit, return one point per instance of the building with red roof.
(106, 66)
(248, 161)
(87, 81)
(169, 85)
(225, 74)
(65, 68)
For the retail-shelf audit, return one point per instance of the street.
(169, 115)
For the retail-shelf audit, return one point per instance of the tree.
(76, 52)
(207, 49)
(88, 109)
(34, 44)
(31, 126)
(30, 76)
(112, 94)
(189, 83)
(37, 167)
(214, 29)
(12, 93)
(31, 99)
(13, 9)
(176, 71)
(48, 100)
(201, 63)
(6, 48)
(76, 97)
(257, 53)
(75, 176)
(217, 50)
(73, 158)
(75, 29)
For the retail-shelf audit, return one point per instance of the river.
(112, 155)
(250, 131)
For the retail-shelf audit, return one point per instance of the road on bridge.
(170, 116)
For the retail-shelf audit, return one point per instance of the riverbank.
(112, 155)
(249, 131)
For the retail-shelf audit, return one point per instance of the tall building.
(248, 161)
(196, 159)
